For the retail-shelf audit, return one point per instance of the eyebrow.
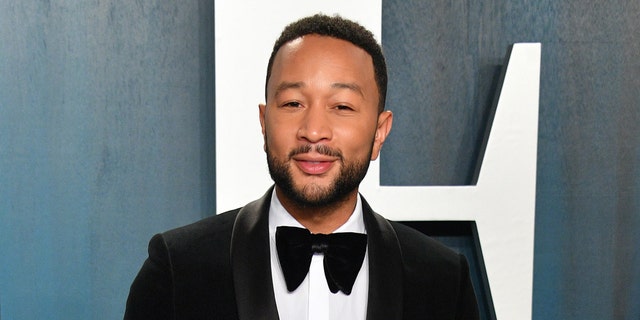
(350, 86)
(338, 85)
(288, 85)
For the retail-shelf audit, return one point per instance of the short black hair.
(339, 28)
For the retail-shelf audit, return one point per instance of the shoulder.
(214, 223)
(420, 253)
(200, 248)
(416, 248)
(436, 278)
(186, 270)
(420, 248)
(214, 229)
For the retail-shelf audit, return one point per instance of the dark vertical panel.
(102, 132)
(443, 57)
(206, 41)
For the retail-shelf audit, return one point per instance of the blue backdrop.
(106, 137)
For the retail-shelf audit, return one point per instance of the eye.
(344, 107)
(292, 104)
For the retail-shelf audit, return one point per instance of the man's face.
(321, 123)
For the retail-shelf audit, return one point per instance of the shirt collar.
(279, 216)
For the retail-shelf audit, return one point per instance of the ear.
(262, 109)
(385, 120)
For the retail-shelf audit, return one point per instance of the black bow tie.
(343, 255)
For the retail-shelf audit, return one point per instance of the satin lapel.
(250, 262)
(385, 268)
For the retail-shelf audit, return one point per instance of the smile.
(312, 167)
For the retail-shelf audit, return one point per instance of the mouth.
(314, 167)
(315, 161)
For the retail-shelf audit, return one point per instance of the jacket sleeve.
(467, 302)
(152, 292)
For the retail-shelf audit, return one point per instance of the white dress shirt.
(313, 300)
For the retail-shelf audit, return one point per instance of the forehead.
(316, 42)
(314, 54)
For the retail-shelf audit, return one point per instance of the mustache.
(320, 148)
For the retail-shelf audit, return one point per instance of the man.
(322, 123)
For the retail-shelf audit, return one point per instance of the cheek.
(279, 137)
(357, 140)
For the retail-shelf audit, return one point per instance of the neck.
(324, 219)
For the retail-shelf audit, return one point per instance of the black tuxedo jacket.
(218, 268)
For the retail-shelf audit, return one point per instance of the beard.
(313, 195)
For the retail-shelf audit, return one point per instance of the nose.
(315, 125)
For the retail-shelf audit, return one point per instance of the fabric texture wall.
(444, 59)
(105, 138)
